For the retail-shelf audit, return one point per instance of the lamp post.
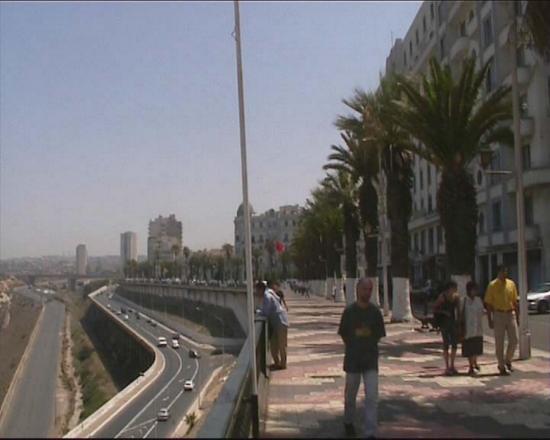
(383, 230)
(485, 158)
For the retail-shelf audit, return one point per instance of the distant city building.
(451, 31)
(165, 239)
(81, 259)
(128, 247)
(267, 229)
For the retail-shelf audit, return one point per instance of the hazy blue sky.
(113, 113)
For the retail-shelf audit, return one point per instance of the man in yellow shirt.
(501, 300)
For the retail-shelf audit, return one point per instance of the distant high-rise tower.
(128, 247)
(81, 259)
(165, 241)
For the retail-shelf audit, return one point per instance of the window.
(416, 36)
(431, 241)
(410, 48)
(528, 206)
(431, 11)
(423, 25)
(487, 31)
(261, 225)
(429, 174)
(286, 223)
(293, 223)
(430, 208)
(442, 47)
(421, 179)
(286, 238)
(422, 241)
(471, 15)
(479, 178)
(481, 223)
(237, 238)
(439, 235)
(497, 216)
(416, 241)
(405, 59)
(526, 156)
(421, 204)
(463, 29)
(253, 239)
(489, 80)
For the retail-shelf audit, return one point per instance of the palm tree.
(362, 165)
(537, 18)
(453, 125)
(342, 189)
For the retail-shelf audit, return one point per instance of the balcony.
(526, 127)
(459, 47)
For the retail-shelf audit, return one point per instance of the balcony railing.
(232, 414)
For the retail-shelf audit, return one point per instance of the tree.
(537, 20)
(343, 191)
(362, 166)
(453, 125)
(256, 254)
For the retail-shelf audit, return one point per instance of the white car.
(163, 415)
(189, 385)
(126, 317)
(539, 299)
(161, 342)
(175, 343)
(108, 306)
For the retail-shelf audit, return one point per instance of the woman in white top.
(472, 313)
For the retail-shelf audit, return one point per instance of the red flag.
(279, 247)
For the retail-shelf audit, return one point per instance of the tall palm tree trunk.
(399, 208)
(457, 207)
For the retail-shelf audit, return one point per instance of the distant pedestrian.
(501, 300)
(306, 291)
(334, 293)
(446, 307)
(361, 328)
(471, 317)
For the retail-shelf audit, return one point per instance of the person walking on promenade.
(361, 328)
(501, 300)
(471, 315)
(446, 307)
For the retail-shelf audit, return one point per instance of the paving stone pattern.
(415, 398)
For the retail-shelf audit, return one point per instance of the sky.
(114, 113)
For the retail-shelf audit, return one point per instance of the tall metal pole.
(383, 230)
(247, 241)
(524, 334)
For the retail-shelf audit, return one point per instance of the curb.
(22, 362)
(152, 373)
(194, 405)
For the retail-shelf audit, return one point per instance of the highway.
(31, 412)
(138, 419)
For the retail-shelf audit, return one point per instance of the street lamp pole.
(247, 240)
(383, 217)
(524, 334)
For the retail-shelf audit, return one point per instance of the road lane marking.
(150, 429)
(140, 425)
(154, 398)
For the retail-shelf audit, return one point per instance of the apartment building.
(128, 247)
(165, 239)
(269, 227)
(81, 259)
(450, 31)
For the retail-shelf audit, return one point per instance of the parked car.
(538, 299)
(163, 415)
(161, 341)
(175, 343)
(189, 385)
(194, 354)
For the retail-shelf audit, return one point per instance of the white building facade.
(81, 259)
(266, 229)
(451, 31)
(165, 239)
(128, 247)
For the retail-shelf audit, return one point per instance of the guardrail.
(232, 414)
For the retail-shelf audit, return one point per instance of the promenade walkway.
(416, 399)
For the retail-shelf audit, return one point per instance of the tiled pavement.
(415, 398)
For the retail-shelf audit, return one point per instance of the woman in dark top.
(446, 307)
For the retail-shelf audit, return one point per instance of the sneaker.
(472, 372)
(503, 372)
(350, 429)
(509, 367)
(477, 367)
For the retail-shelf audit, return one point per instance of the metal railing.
(231, 415)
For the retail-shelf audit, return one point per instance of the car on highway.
(194, 354)
(161, 341)
(118, 312)
(175, 343)
(176, 336)
(153, 323)
(189, 385)
(538, 299)
(108, 306)
(137, 315)
(163, 415)
(126, 317)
